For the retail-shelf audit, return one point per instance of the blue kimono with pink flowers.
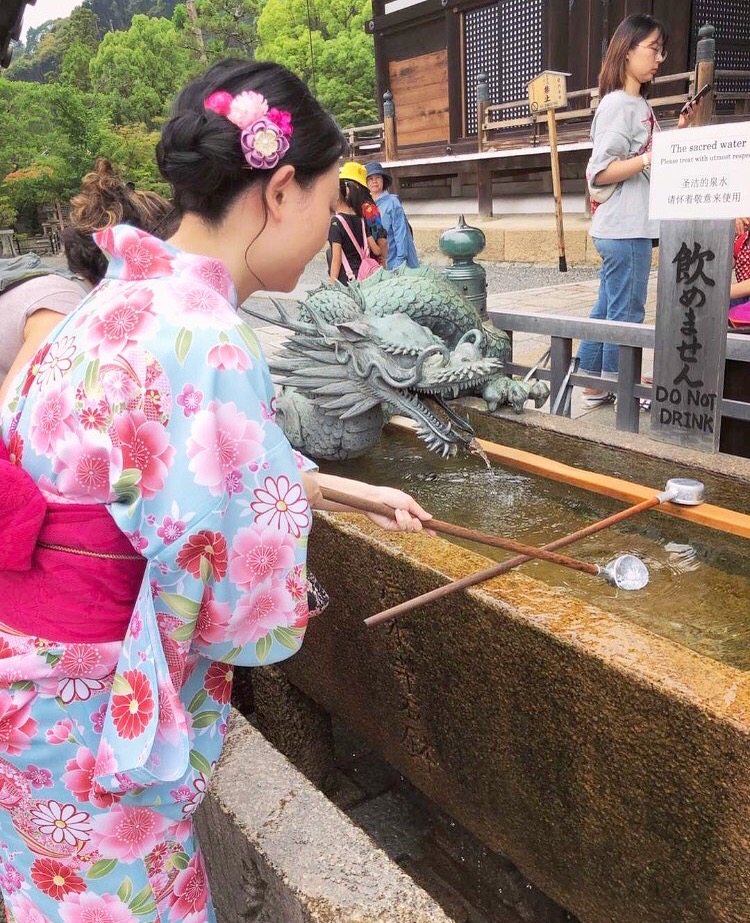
(154, 400)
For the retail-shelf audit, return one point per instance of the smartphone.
(706, 88)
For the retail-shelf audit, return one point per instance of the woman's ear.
(278, 190)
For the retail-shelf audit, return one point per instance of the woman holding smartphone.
(621, 133)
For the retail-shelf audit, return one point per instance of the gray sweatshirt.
(622, 128)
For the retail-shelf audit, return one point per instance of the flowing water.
(699, 594)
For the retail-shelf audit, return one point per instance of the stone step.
(514, 238)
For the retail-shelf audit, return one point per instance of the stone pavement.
(574, 299)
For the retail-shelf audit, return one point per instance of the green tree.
(45, 61)
(340, 67)
(118, 14)
(33, 35)
(132, 151)
(137, 73)
(47, 141)
(8, 214)
(75, 70)
(225, 27)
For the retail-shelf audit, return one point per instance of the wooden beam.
(456, 102)
(409, 16)
(713, 517)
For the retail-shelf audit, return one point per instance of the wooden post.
(695, 268)
(484, 191)
(483, 98)
(557, 189)
(705, 72)
(390, 146)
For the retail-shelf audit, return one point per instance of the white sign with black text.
(701, 173)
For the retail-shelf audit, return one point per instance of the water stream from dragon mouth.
(476, 449)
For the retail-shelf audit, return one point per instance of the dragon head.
(348, 366)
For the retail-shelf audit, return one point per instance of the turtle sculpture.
(393, 343)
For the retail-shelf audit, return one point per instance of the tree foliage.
(47, 135)
(45, 61)
(33, 35)
(221, 28)
(100, 81)
(118, 14)
(329, 50)
(132, 151)
(8, 213)
(137, 73)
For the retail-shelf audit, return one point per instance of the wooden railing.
(365, 141)
(578, 117)
(632, 339)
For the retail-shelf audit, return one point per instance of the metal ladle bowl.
(626, 572)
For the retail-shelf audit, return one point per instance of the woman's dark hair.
(631, 32)
(200, 154)
(355, 195)
(105, 200)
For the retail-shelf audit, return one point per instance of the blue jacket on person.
(401, 247)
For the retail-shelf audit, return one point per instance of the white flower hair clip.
(265, 132)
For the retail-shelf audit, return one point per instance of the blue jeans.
(623, 282)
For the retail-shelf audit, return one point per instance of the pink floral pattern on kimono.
(154, 399)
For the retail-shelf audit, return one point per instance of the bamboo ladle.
(624, 572)
(682, 491)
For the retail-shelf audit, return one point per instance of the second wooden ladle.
(626, 572)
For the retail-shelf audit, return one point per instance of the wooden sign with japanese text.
(695, 266)
(549, 90)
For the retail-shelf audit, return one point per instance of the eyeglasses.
(659, 53)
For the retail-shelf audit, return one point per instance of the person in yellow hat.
(356, 236)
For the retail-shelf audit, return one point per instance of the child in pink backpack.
(353, 251)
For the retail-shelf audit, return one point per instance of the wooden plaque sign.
(548, 91)
(695, 266)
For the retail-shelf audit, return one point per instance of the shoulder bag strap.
(362, 251)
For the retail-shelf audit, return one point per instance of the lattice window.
(521, 44)
(481, 56)
(732, 21)
(505, 41)
(730, 17)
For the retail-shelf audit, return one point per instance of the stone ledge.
(520, 245)
(278, 851)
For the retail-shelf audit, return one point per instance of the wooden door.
(420, 94)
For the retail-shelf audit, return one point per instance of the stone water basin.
(699, 592)
(597, 740)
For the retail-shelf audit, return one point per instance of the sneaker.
(600, 397)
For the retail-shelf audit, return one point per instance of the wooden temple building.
(429, 55)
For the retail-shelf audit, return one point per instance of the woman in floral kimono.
(154, 518)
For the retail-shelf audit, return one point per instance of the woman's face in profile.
(303, 231)
(644, 59)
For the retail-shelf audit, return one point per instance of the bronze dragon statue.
(393, 343)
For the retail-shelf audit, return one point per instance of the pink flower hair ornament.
(265, 132)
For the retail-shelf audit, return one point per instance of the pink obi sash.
(67, 572)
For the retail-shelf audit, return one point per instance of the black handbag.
(317, 598)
